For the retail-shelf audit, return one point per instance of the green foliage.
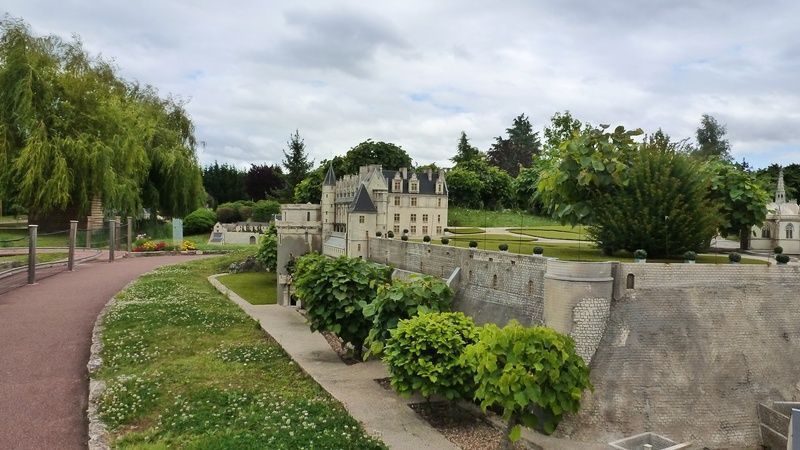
(518, 150)
(400, 300)
(378, 234)
(263, 181)
(477, 184)
(524, 189)
(517, 368)
(662, 207)
(464, 187)
(426, 238)
(561, 128)
(404, 237)
(466, 152)
(227, 213)
(265, 209)
(201, 220)
(473, 244)
(538, 250)
(296, 163)
(445, 241)
(267, 254)
(791, 178)
(503, 247)
(583, 168)
(238, 211)
(424, 354)
(740, 198)
(711, 141)
(390, 234)
(778, 250)
(734, 257)
(388, 155)
(782, 259)
(690, 256)
(334, 292)
(71, 129)
(224, 183)
(640, 254)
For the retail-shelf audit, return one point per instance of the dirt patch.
(467, 431)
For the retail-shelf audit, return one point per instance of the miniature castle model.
(782, 226)
(238, 233)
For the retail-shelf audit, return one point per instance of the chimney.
(429, 171)
(404, 172)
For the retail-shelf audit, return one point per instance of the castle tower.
(328, 201)
(780, 192)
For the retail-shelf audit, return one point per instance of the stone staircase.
(773, 421)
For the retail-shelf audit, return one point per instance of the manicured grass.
(565, 232)
(583, 251)
(59, 239)
(201, 242)
(465, 230)
(258, 288)
(18, 260)
(186, 368)
(465, 217)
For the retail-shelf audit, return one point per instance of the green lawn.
(19, 260)
(20, 239)
(581, 251)
(565, 232)
(465, 217)
(258, 288)
(186, 368)
(464, 230)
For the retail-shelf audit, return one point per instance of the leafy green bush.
(404, 237)
(503, 247)
(334, 291)
(246, 213)
(445, 241)
(778, 250)
(690, 256)
(267, 253)
(640, 254)
(734, 257)
(228, 213)
(424, 354)
(201, 220)
(538, 250)
(378, 234)
(401, 300)
(782, 259)
(265, 209)
(426, 238)
(473, 244)
(518, 367)
(390, 234)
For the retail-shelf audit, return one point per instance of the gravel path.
(45, 335)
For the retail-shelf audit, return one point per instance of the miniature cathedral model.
(782, 226)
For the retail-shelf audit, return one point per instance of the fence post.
(32, 233)
(130, 234)
(112, 228)
(73, 237)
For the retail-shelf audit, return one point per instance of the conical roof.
(330, 177)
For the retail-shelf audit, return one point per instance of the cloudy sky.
(416, 73)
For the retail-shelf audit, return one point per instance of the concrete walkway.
(45, 336)
(383, 413)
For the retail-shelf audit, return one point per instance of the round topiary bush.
(782, 259)
(503, 247)
(424, 354)
(538, 250)
(390, 234)
(447, 230)
(640, 255)
(734, 257)
(426, 238)
(405, 230)
(227, 213)
(690, 256)
(445, 241)
(473, 244)
(404, 237)
(378, 234)
(778, 250)
(199, 221)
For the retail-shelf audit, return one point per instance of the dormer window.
(438, 187)
(414, 186)
(396, 186)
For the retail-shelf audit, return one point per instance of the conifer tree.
(466, 152)
(296, 163)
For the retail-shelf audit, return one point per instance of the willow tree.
(72, 130)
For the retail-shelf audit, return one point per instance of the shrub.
(690, 256)
(265, 210)
(538, 250)
(401, 300)
(201, 220)
(734, 257)
(517, 368)
(334, 291)
(503, 247)
(447, 230)
(640, 254)
(404, 237)
(378, 234)
(228, 213)
(782, 259)
(246, 213)
(405, 230)
(267, 254)
(424, 354)
(608, 250)
(473, 244)
(390, 234)
(778, 250)
(445, 241)
(426, 238)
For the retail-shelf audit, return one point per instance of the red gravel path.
(45, 335)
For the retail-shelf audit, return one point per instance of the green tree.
(224, 182)
(464, 187)
(267, 254)
(662, 207)
(466, 152)
(583, 168)
(296, 163)
(388, 155)
(518, 368)
(524, 189)
(740, 197)
(518, 149)
(263, 181)
(768, 177)
(562, 127)
(711, 141)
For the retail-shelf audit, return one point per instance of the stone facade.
(299, 232)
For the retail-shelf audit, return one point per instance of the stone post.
(73, 236)
(130, 234)
(32, 233)
(112, 238)
(88, 232)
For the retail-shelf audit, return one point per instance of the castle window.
(424, 229)
(424, 217)
(397, 200)
(396, 186)
(440, 202)
(359, 247)
(414, 186)
(308, 216)
(439, 188)
(397, 229)
(789, 231)
(765, 232)
(439, 218)
(397, 217)
(630, 281)
(413, 217)
(360, 219)
(438, 230)
(413, 229)
(413, 201)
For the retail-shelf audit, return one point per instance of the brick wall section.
(691, 350)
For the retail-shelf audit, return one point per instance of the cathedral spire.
(780, 192)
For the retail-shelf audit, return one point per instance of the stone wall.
(690, 351)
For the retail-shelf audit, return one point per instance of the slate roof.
(362, 202)
(426, 185)
(330, 177)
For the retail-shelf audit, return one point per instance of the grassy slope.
(186, 368)
(553, 232)
(464, 217)
(258, 288)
